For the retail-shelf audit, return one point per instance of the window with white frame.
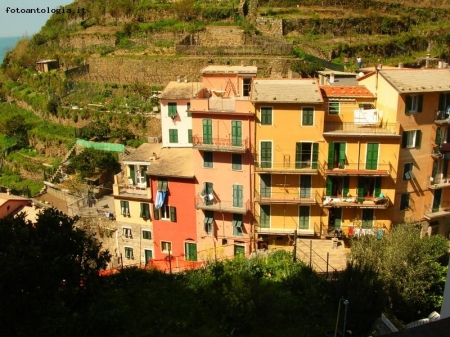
(141, 178)
(413, 104)
(411, 139)
(129, 253)
(127, 232)
(124, 208)
(166, 247)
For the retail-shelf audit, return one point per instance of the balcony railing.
(360, 202)
(288, 166)
(290, 196)
(220, 144)
(222, 103)
(442, 117)
(219, 205)
(379, 129)
(439, 182)
(431, 213)
(124, 187)
(357, 169)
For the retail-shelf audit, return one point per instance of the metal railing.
(363, 202)
(290, 195)
(216, 204)
(125, 187)
(357, 128)
(442, 117)
(361, 166)
(220, 144)
(287, 165)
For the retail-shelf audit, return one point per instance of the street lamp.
(346, 302)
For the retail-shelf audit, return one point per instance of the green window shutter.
(132, 174)
(345, 186)
(329, 189)
(237, 224)
(264, 218)
(207, 131)
(237, 196)
(266, 154)
(408, 104)
(236, 161)
(307, 116)
(142, 214)
(172, 109)
(361, 186)
(337, 218)
(236, 133)
(190, 136)
(377, 190)
(265, 185)
(209, 189)
(315, 156)
(438, 138)
(437, 200)
(419, 103)
(191, 251)
(418, 138)
(404, 202)
(305, 186)
(331, 155)
(266, 116)
(298, 155)
(239, 250)
(155, 213)
(342, 154)
(442, 102)
(404, 139)
(372, 156)
(173, 135)
(367, 218)
(303, 221)
(188, 107)
(173, 214)
(147, 235)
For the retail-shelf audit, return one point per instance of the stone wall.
(270, 26)
(221, 36)
(85, 40)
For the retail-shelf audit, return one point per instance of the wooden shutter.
(236, 133)
(173, 214)
(361, 186)
(172, 109)
(372, 156)
(266, 154)
(342, 154)
(155, 213)
(190, 136)
(331, 155)
(207, 131)
(337, 218)
(265, 184)
(418, 139)
(437, 200)
(264, 218)
(303, 221)
(315, 155)
(345, 186)
(329, 189)
(298, 155)
(419, 103)
(237, 196)
(305, 186)
(404, 139)
(132, 173)
(377, 191)
(408, 103)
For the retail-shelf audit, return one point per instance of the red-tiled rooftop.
(345, 91)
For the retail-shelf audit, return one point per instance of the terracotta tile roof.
(180, 90)
(173, 162)
(286, 91)
(5, 197)
(345, 91)
(224, 69)
(418, 80)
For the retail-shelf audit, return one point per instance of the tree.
(48, 270)
(90, 160)
(412, 269)
(15, 127)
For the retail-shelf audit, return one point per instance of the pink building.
(223, 132)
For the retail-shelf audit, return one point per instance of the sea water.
(6, 44)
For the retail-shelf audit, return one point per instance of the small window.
(239, 250)
(172, 109)
(208, 159)
(147, 235)
(129, 253)
(208, 221)
(163, 185)
(173, 136)
(168, 213)
(404, 202)
(127, 232)
(413, 104)
(334, 108)
(188, 107)
(166, 247)
(308, 116)
(237, 224)
(247, 87)
(411, 139)
(408, 171)
(236, 162)
(124, 208)
(145, 211)
(190, 136)
(266, 116)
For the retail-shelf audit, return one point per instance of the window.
(173, 136)
(166, 247)
(305, 186)
(236, 133)
(264, 220)
(413, 104)
(307, 116)
(237, 224)
(303, 217)
(163, 185)
(266, 155)
(236, 162)
(411, 139)
(408, 171)
(266, 116)
(337, 186)
(207, 131)
(306, 155)
(147, 235)
(404, 202)
(190, 251)
(165, 213)
(334, 108)
(188, 107)
(246, 87)
(336, 155)
(129, 253)
(172, 109)
(207, 193)
(239, 250)
(124, 208)
(190, 136)
(208, 221)
(145, 211)
(372, 156)
(238, 196)
(127, 232)
(368, 187)
(140, 176)
(265, 185)
(367, 218)
(208, 159)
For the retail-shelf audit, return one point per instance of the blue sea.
(6, 44)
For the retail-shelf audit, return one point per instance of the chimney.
(8, 191)
(400, 65)
(331, 78)
(440, 64)
(427, 61)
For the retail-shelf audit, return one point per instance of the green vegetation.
(90, 161)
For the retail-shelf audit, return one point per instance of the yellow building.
(361, 166)
(288, 156)
(420, 101)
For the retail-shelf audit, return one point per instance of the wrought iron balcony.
(431, 213)
(357, 129)
(216, 204)
(439, 182)
(287, 166)
(291, 196)
(123, 187)
(359, 202)
(442, 118)
(358, 169)
(235, 145)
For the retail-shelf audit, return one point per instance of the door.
(305, 187)
(266, 155)
(207, 131)
(372, 156)
(437, 200)
(190, 251)
(334, 218)
(148, 255)
(237, 196)
(264, 187)
(236, 133)
(367, 218)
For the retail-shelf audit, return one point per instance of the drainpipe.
(359, 153)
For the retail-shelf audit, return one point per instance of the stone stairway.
(58, 175)
(318, 250)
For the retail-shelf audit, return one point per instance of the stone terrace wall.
(221, 36)
(270, 26)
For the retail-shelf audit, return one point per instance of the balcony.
(222, 206)
(124, 188)
(435, 213)
(221, 104)
(358, 202)
(359, 129)
(439, 182)
(291, 196)
(359, 169)
(288, 167)
(220, 144)
(442, 118)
